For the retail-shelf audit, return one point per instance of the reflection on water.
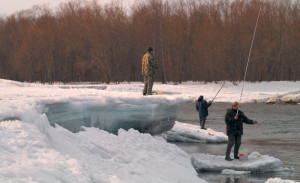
(277, 134)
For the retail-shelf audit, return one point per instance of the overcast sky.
(8, 7)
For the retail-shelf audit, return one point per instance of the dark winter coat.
(235, 127)
(201, 107)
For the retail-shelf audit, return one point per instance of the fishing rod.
(218, 92)
(194, 101)
(249, 58)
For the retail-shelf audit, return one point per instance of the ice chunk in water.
(255, 163)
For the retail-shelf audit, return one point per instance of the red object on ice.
(241, 154)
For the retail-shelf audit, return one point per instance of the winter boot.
(227, 158)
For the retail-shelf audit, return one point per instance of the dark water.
(276, 134)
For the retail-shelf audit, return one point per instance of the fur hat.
(235, 103)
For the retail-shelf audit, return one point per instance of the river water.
(276, 134)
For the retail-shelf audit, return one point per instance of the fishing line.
(249, 57)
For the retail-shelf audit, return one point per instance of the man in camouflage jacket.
(149, 66)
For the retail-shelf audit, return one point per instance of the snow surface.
(34, 151)
(44, 154)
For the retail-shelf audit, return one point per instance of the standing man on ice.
(234, 120)
(148, 70)
(201, 107)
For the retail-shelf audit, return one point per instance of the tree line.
(193, 40)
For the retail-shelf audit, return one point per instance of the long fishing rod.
(249, 58)
(218, 92)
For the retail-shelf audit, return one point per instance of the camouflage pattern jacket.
(148, 65)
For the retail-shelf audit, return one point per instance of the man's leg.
(145, 85)
(230, 143)
(203, 123)
(150, 85)
(238, 140)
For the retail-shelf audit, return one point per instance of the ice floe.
(183, 132)
(255, 163)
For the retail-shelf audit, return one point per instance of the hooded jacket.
(201, 107)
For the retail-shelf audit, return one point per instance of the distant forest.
(193, 40)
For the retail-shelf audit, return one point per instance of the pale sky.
(8, 7)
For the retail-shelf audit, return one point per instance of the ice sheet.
(255, 163)
(183, 132)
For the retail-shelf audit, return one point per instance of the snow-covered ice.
(256, 163)
(44, 154)
(279, 180)
(289, 97)
(183, 132)
(34, 151)
(234, 172)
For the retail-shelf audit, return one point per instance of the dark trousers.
(236, 141)
(202, 122)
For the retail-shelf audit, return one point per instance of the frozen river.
(277, 134)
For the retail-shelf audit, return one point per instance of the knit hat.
(150, 49)
(200, 98)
